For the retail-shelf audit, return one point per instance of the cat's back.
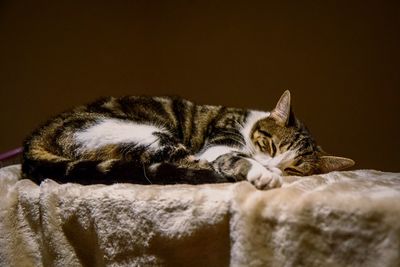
(174, 114)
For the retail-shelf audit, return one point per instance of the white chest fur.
(214, 152)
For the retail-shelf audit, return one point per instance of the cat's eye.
(292, 171)
(298, 162)
(262, 145)
(273, 149)
(267, 134)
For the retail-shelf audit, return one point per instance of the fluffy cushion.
(337, 219)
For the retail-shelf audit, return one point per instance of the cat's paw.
(263, 178)
(192, 162)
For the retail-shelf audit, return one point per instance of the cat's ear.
(332, 163)
(282, 112)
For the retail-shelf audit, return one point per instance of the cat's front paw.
(263, 178)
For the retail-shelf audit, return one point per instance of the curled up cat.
(167, 140)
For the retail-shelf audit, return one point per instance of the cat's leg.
(169, 164)
(263, 177)
(173, 163)
(164, 148)
(105, 162)
(241, 167)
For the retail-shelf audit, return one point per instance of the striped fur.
(168, 140)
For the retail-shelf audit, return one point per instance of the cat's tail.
(39, 164)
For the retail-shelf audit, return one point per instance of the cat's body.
(167, 140)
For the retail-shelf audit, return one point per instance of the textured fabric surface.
(337, 219)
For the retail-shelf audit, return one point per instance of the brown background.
(340, 61)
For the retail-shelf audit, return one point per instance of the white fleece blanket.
(338, 219)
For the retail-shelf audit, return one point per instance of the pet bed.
(337, 219)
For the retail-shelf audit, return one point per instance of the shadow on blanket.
(337, 219)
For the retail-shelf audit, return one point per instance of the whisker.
(145, 175)
(250, 148)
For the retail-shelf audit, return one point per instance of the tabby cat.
(167, 140)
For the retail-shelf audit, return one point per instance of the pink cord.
(12, 153)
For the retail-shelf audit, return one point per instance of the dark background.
(341, 62)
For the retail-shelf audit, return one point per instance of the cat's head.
(282, 141)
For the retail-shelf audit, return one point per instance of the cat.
(169, 140)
